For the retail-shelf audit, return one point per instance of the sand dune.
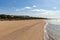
(21, 30)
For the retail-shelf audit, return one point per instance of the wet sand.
(22, 30)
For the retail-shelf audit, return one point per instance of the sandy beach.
(22, 30)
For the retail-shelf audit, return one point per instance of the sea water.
(53, 29)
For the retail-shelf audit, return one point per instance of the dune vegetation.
(16, 17)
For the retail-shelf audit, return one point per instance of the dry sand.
(22, 30)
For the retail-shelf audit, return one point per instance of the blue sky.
(30, 7)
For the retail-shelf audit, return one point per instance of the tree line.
(14, 17)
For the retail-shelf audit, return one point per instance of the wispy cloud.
(36, 10)
(28, 8)
(54, 7)
(17, 9)
(46, 13)
(34, 6)
(25, 8)
(40, 12)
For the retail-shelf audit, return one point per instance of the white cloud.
(36, 10)
(28, 7)
(34, 5)
(17, 9)
(51, 14)
(25, 8)
(54, 7)
(40, 12)
(46, 13)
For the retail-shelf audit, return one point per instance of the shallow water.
(53, 30)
